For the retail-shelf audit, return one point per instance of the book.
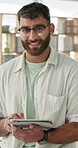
(19, 47)
(54, 42)
(65, 43)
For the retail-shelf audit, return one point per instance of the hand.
(33, 134)
(7, 124)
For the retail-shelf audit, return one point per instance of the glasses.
(38, 30)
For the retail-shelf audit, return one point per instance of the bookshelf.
(64, 39)
(10, 45)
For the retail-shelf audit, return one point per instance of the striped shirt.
(55, 93)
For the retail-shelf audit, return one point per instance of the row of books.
(64, 43)
(11, 43)
(6, 58)
(71, 22)
(66, 26)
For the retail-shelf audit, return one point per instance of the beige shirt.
(55, 93)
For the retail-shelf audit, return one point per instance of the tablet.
(25, 123)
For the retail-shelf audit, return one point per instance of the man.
(40, 84)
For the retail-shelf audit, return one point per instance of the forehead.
(32, 22)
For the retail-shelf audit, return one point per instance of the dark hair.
(33, 10)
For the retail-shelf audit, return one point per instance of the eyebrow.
(37, 25)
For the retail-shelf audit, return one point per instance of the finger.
(9, 128)
(16, 116)
(13, 128)
(21, 115)
(32, 126)
(13, 116)
(7, 125)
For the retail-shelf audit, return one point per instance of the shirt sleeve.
(72, 105)
(2, 97)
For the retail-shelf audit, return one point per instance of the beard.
(36, 51)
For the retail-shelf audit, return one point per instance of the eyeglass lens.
(38, 29)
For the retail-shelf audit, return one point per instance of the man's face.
(35, 45)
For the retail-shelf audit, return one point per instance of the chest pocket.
(54, 109)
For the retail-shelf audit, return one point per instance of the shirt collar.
(53, 57)
(51, 60)
(20, 64)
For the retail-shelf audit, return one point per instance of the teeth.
(35, 43)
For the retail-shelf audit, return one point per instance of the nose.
(32, 35)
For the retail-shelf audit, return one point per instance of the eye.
(25, 30)
(39, 29)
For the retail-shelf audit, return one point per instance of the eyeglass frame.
(34, 29)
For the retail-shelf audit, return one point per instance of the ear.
(51, 28)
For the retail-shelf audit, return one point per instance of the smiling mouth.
(34, 44)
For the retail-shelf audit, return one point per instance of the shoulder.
(61, 60)
(68, 66)
(66, 60)
(10, 65)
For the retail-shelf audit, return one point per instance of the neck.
(38, 59)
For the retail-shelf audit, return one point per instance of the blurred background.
(64, 15)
